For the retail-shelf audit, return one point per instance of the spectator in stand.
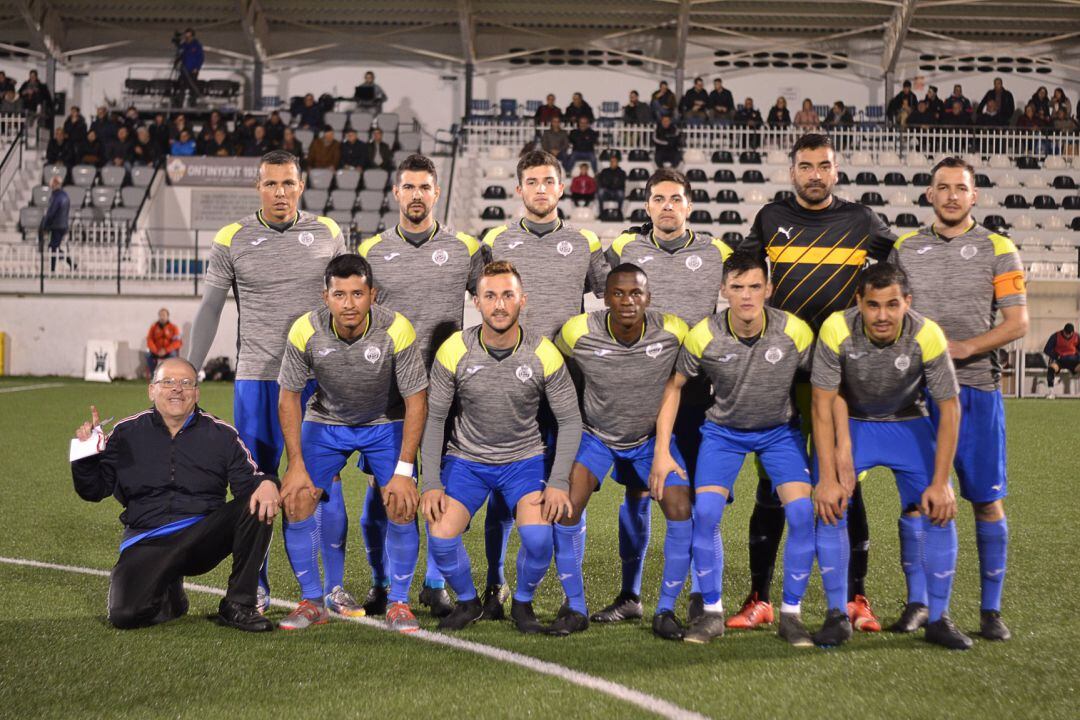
(378, 153)
(163, 341)
(1060, 101)
(636, 112)
(1041, 101)
(131, 118)
(748, 116)
(119, 151)
(290, 144)
(583, 141)
(11, 103)
(696, 92)
(369, 96)
(206, 135)
(920, 117)
(179, 125)
(159, 134)
(1031, 120)
(696, 114)
(54, 224)
(556, 141)
(779, 117)
(840, 116)
(145, 151)
(352, 151)
(1062, 123)
(934, 104)
(611, 183)
(1063, 350)
(325, 151)
(183, 145)
(663, 102)
(577, 108)
(60, 150)
(956, 116)
(245, 131)
(807, 118)
(75, 126)
(893, 108)
(35, 95)
(6, 83)
(904, 114)
(958, 96)
(990, 115)
(90, 151)
(275, 130)
(219, 145)
(191, 62)
(583, 186)
(667, 143)
(548, 111)
(1002, 98)
(103, 125)
(721, 104)
(257, 145)
(311, 114)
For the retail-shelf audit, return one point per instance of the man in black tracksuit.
(170, 467)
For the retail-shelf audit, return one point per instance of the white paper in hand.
(85, 448)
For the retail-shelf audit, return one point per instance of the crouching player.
(881, 354)
(362, 356)
(497, 373)
(750, 353)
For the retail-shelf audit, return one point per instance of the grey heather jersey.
(426, 284)
(275, 276)
(884, 383)
(360, 383)
(751, 384)
(496, 420)
(686, 282)
(961, 283)
(623, 385)
(556, 269)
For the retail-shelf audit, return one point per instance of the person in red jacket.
(1063, 349)
(162, 341)
(583, 186)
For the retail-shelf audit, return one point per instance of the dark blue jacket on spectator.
(191, 54)
(56, 216)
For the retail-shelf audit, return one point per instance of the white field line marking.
(39, 386)
(652, 704)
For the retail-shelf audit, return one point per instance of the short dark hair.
(742, 261)
(810, 141)
(281, 157)
(626, 269)
(346, 266)
(667, 175)
(699, 79)
(500, 267)
(952, 162)
(880, 276)
(1069, 327)
(417, 163)
(907, 83)
(538, 158)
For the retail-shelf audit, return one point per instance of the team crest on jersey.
(694, 262)
(654, 350)
(439, 257)
(564, 248)
(968, 251)
(524, 373)
(372, 354)
(773, 355)
(902, 363)
(306, 238)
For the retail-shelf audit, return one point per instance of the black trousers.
(146, 586)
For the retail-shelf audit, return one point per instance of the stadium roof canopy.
(655, 35)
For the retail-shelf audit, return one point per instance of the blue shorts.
(781, 450)
(255, 415)
(632, 466)
(327, 449)
(980, 453)
(906, 447)
(470, 482)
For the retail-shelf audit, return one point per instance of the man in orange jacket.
(162, 341)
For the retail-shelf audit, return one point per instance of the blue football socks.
(677, 543)
(533, 559)
(992, 540)
(834, 553)
(454, 565)
(939, 562)
(498, 524)
(402, 546)
(333, 529)
(912, 541)
(635, 526)
(798, 549)
(373, 526)
(302, 547)
(569, 551)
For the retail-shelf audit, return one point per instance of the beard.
(813, 194)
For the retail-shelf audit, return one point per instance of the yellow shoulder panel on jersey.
(931, 339)
(621, 242)
(469, 241)
(225, 235)
(676, 326)
(834, 331)
(451, 352)
(698, 338)
(572, 330)
(549, 356)
(723, 247)
(301, 331)
(365, 247)
(799, 331)
(900, 240)
(1002, 244)
(493, 233)
(335, 230)
(401, 332)
(594, 242)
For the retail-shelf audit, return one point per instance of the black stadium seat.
(922, 180)
(696, 175)
(906, 220)
(611, 215)
(753, 176)
(730, 217)
(493, 212)
(1072, 202)
(782, 195)
(724, 176)
(722, 157)
(1026, 162)
(494, 192)
(924, 201)
(639, 155)
(883, 217)
(872, 198)
(733, 238)
(697, 195)
(638, 175)
(1064, 182)
(842, 178)
(866, 178)
(1016, 202)
(639, 216)
(701, 217)
(895, 179)
(983, 180)
(1045, 202)
(1075, 224)
(562, 214)
(637, 195)
(608, 153)
(750, 157)
(995, 223)
(727, 196)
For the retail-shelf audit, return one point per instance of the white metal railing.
(24, 261)
(11, 161)
(10, 125)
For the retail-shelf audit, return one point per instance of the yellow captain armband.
(401, 332)
(549, 356)
(931, 339)
(799, 332)
(301, 331)
(225, 235)
(451, 351)
(834, 331)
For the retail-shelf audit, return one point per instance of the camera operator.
(189, 60)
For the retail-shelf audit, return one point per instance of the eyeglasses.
(183, 383)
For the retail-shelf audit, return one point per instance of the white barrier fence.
(99, 262)
(10, 125)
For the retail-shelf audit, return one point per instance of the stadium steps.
(18, 195)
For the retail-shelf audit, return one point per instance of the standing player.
(497, 373)
(273, 261)
(424, 271)
(750, 353)
(362, 357)
(883, 354)
(817, 244)
(686, 271)
(961, 275)
(625, 355)
(557, 262)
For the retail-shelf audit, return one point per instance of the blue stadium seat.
(508, 109)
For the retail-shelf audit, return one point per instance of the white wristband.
(404, 468)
